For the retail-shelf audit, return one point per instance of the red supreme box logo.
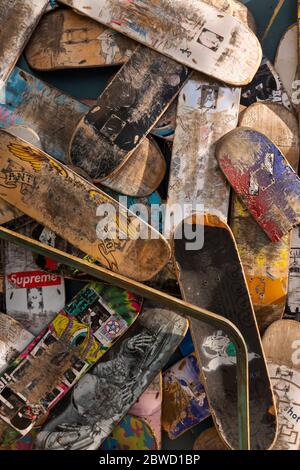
(31, 279)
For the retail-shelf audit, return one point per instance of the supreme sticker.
(31, 279)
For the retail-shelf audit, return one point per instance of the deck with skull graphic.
(210, 275)
(192, 33)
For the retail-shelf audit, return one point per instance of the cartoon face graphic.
(35, 300)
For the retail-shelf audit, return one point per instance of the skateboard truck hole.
(181, 307)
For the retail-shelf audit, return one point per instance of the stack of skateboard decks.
(149, 237)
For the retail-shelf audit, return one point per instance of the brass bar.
(181, 307)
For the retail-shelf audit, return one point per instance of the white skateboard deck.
(206, 111)
(191, 32)
(286, 60)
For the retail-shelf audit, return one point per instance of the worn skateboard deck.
(63, 40)
(165, 127)
(266, 86)
(209, 440)
(212, 277)
(52, 5)
(18, 19)
(48, 237)
(143, 172)
(56, 359)
(266, 264)
(185, 404)
(33, 297)
(58, 198)
(192, 33)
(206, 111)
(149, 407)
(236, 9)
(262, 179)
(26, 100)
(281, 344)
(131, 433)
(286, 60)
(13, 340)
(105, 395)
(30, 102)
(126, 111)
(292, 310)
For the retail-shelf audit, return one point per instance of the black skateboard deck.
(126, 112)
(212, 277)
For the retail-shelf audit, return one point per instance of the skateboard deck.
(192, 33)
(33, 297)
(105, 395)
(13, 340)
(266, 86)
(292, 310)
(263, 180)
(18, 19)
(63, 40)
(266, 264)
(185, 404)
(149, 407)
(126, 111)
(281, 343)
(8, 212)
(209, 440)
(212, 277)
(56, 359)
(206, 111)
(165, 128)
(286, 60)
(49, 192)
(26, 100)
(236, 9)
(32, 103)
(131, 433)
(143, 172)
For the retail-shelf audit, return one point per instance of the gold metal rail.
(181, 307)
